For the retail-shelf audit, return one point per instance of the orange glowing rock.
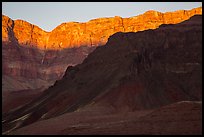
(92, 33)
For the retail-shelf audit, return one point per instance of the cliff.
(93, 33)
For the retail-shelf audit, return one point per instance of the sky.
(48, 15)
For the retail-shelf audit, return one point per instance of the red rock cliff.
(95, 32)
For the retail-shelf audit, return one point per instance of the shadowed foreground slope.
(180, 118)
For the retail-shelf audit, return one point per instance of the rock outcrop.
(133, 71)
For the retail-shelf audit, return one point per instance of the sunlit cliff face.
(93, 33)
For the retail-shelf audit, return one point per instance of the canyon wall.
(32, 53)
(132, 71)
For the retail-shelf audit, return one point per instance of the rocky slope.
(133, 71)
(42, 57)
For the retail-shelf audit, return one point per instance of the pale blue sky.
(48, 15)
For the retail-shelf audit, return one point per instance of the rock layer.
(39, 68)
